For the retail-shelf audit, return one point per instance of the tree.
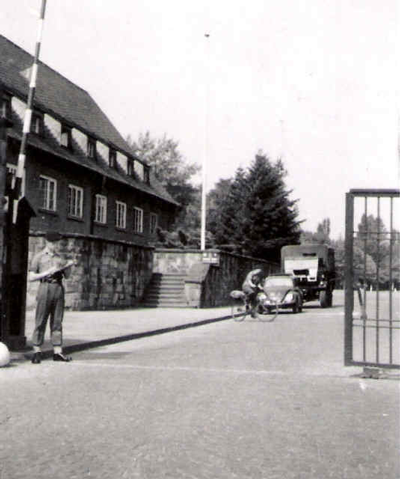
(363, 265)
(324, 228)
(381, 245)
(174, 173)
(321, 236)
(269, 216)
(167, 163)
(372, 238)
(257, 217)
(226, 221)
(215, 200)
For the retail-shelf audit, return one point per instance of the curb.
(74, 348)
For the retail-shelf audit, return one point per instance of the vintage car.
(280, 292)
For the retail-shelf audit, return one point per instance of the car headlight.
(265, 299)
(289, 298)
(261, 297)
(272, 297)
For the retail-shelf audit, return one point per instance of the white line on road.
(337, 373)
(174, 368)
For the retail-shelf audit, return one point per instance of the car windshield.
(278, 281)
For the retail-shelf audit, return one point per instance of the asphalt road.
(226, 400)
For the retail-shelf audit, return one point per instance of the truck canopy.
(307, 253)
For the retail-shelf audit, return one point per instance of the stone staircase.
(165, 291)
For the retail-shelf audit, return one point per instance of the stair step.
(165, 291)
(166, 306)
(167, 283)
(168, 298)
(164, 297)
(172, 277)
(166, 286)
(164, 300)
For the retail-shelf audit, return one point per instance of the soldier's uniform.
(50, 298)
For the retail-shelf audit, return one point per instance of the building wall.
(65, 173)
(39, 162)
(108, 275)
(206, 284)
(114, 264)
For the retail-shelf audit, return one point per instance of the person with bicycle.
(251, 286)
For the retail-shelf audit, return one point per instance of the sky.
(312, 82)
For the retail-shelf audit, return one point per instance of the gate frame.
(349, 273)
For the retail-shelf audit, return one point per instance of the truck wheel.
(330, 299)
(323, 299)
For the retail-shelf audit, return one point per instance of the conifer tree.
(228, 223)
(257, 217)
(215, 199)
(269, 216)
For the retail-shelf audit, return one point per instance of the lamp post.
(204, 165)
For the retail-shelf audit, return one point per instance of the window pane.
(138, 220)
(101, 209)
(47, 189)
(121, 215)
(75, 201)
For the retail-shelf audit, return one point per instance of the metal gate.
(372, 279)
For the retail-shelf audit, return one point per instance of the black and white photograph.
(199, 239)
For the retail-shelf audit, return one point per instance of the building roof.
(65, 101)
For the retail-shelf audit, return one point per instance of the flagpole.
(28, 115)
(204, 168)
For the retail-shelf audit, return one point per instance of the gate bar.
(349, 281)
(378, 263)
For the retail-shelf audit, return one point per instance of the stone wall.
(229, 275)
(109, 274)
(208, 284)
(169, 261)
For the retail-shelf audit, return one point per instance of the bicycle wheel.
(238, 305)
(238, 310)
(270, 315)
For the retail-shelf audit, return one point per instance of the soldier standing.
(49, 268)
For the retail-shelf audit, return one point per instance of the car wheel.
(295, 308)
(330, 299)
(323, 299)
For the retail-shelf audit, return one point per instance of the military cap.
(53, 236)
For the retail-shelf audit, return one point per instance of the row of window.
(37, 128)
(48, 201)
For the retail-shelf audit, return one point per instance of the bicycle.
(264, 311)
(240, 308)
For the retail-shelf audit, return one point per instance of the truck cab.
(314, 267)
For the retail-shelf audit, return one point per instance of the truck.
(313, 266)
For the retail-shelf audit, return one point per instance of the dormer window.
(6, 106)
(66, 137)
(37, 124)
(91, 148)
(139, 170)
(130, 167)
(147, 175)
(112, 158)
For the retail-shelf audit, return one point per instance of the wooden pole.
(17, 191)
